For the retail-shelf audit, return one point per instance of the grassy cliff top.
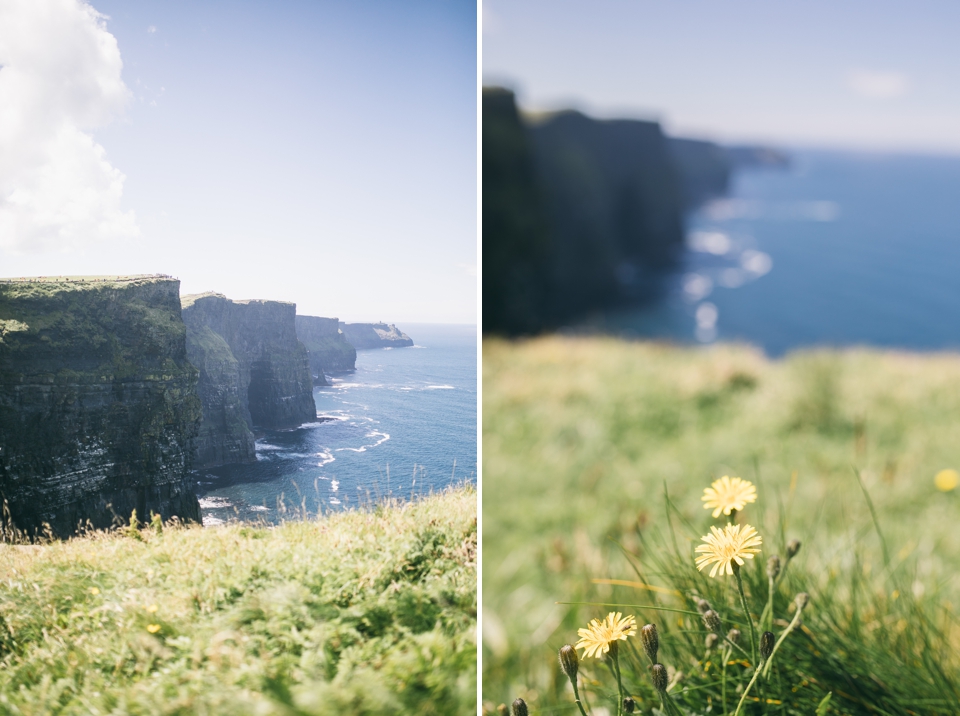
(191, 298)
(358, 612)
(26, 287)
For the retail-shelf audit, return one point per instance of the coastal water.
(403, 424)
(841, 249)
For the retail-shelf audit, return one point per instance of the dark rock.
(329, 350)
(98, 402)
(375, 335)
(705, 169)
(254, 373)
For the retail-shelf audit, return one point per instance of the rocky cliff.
(329, 350)
(254, 373)
(375, 335)
(98, 402)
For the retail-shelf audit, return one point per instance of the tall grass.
(364, 611)
(582, 439)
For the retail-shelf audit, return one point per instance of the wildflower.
(801, 600)
(658, 674)
(947, 480)
(767, 640)
(793, 546)
(153, 628)
(94, 591)
(569, 661)
(651, 642)
(152, 608)
(729, 545)
(728, 494)
(712, 620)
(520, 708)
(711, 640)
(629, 705)
(599, 635)
(773, 566)
(704, 606)
(502, 710)
(734, 636)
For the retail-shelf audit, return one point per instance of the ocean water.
(842, 249)
(403, 424)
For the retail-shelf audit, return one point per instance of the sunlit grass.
(365, 611)
(583, 437)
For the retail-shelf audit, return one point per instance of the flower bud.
(734, 636)
(793, 546)
(569, 661)
(629, 705)
(767, 640)
(711, 640)
(704, 606)
(658, 673)
(712, 620)
(773, 567)
(520, 708)
(502, 710)
(651, 642)
(802, 600)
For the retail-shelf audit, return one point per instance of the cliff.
(98, 402)
(704, 168)
(328, 348)
(254, 373)
(375, 335)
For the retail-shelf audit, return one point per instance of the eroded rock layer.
(98, 403)
(328, 347)
(254, 373)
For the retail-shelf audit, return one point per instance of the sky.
(873, 75)
(308, 151)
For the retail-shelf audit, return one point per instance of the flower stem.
(726, 652)
(616, 665)
(576, 696)
(746, 691)
(746, 612)
(766, 618)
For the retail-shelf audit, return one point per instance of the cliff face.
(98, 402)
(328, 348)
(254, 372)
(375, 335)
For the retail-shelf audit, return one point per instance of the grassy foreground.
(591, 443)
(360, 612)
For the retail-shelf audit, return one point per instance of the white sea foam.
(334, 501)
(259, 508)
(439, 387)
(213, 503)
(334, 485)
(211, 521)
(267, 447)
(363, 448)
(326, 457)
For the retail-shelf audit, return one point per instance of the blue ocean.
(403, 424)
(841, 249)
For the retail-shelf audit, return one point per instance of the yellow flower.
(597, 637)
(153, 628)
(94, 591)
(947, 480)
(152, 608)
(726, 546)
(728, 494)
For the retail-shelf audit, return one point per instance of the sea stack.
(98, 403)
(375, 335)
(254, 373)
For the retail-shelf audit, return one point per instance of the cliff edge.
(328, 347)
(254, 373)
(375, 335)
(98, 402)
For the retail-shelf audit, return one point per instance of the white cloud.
(877, 85)
(60, 79)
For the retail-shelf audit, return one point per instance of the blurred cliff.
(582, 214)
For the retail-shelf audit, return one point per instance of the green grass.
(582, 439)
(361, 612)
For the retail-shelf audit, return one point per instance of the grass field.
(584, 439)
(361, 612)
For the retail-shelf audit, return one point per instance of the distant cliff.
(98, 402)
(254, 373)
(375, 335)
(328, 347)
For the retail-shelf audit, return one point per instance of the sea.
(403, 424)
(841, 249)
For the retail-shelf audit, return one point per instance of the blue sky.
(857, 74)
(317, 152)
